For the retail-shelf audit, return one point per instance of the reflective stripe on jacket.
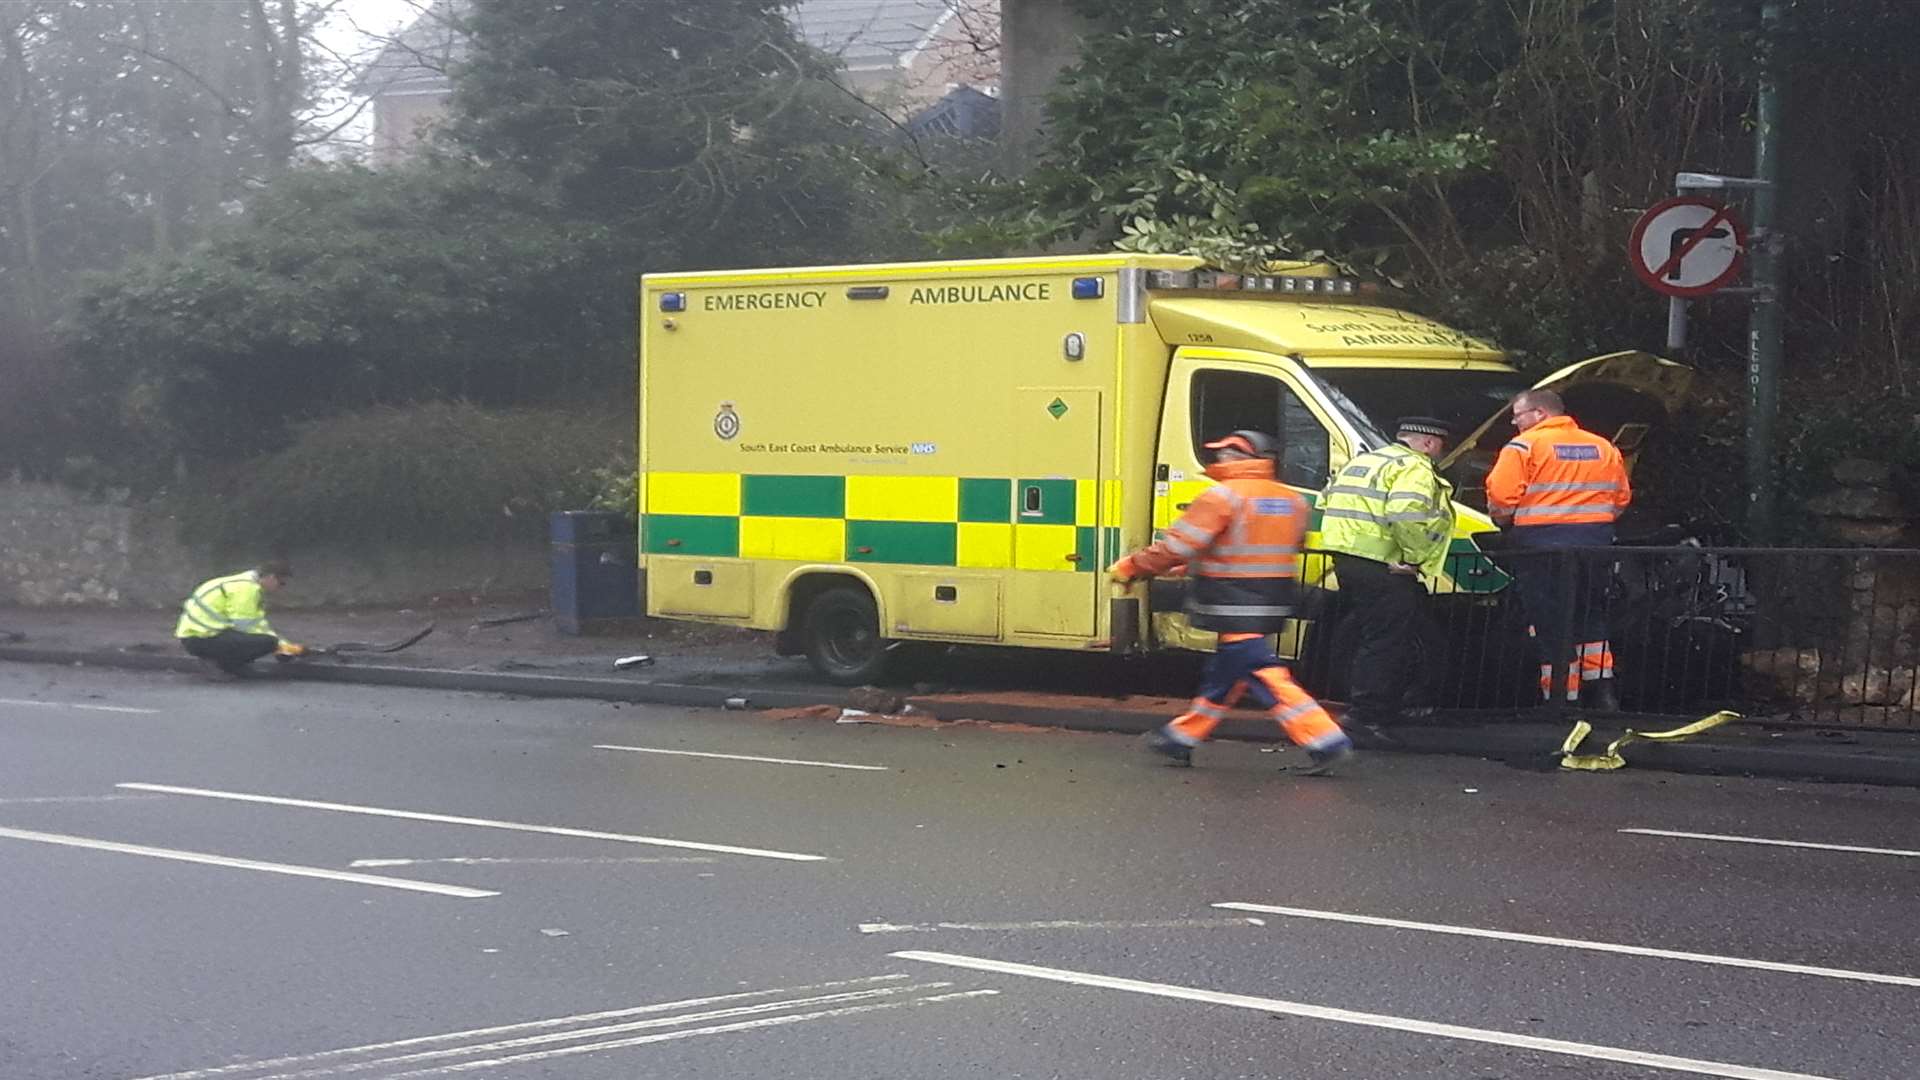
(1240, 541)
(1554, 473)
(1389, 505)
(234, 602)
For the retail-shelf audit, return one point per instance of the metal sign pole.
(1764, 322)
(1676, 324)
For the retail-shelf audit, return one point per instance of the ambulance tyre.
(843, 636)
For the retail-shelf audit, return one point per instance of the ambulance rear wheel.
(843, 637)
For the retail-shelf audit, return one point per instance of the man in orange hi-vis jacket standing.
(1557, 486)
(1240, 542)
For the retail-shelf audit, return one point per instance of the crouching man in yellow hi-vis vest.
(224, 623)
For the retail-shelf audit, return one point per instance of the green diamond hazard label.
(1058, 408)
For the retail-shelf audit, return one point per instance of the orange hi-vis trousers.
(1244, 665)
(1591, 662)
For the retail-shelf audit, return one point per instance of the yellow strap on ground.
(1612, 760)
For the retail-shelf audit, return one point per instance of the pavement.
(282, 879)
(513, 647)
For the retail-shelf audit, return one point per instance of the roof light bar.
(1220, 281)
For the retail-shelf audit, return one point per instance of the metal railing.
(1818, 636)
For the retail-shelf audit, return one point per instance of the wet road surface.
(301, 880)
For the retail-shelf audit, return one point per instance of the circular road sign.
(1687, 246)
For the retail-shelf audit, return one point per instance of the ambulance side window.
(1224, 401)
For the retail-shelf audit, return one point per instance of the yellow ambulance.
(856, 456)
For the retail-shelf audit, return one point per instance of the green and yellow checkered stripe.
(911, 520)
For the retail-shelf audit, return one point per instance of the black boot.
(1162, 742)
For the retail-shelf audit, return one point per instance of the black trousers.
(231, 649)
(1565, 594)
(1383, 611)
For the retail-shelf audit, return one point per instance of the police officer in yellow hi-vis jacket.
(224, 623)
(1387, 517)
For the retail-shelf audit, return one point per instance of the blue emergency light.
(1089, 288)
(673, 301)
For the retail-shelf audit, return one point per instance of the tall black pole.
(1764, 346)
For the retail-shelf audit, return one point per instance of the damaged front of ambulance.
(1330, 373)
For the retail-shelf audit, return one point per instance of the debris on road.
(504, 620)
(374, 646)
(872, 699)
(911, 718)
(1611, 759)
(636, 660)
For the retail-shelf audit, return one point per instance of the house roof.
(417, 58)
(867, 34)
(963, 112)
(864, 34)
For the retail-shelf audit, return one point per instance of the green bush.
(429, 474)
(617, 488)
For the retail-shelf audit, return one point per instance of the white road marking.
(1060, 924)
(508, 1029)
(72, 705)
(742, 757)
(1774, 843)
(483, 860)
(1372, 1020)
(243, 864)
(78, 799)
(690, 1033)
(550, 1038)
(1579, 943)
(960, 996)
(484, 823)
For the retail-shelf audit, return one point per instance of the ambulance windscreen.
(1464, 399)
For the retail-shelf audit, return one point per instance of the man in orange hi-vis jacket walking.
(1240, 543)
(1557, 486)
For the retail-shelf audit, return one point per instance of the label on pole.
(1687, 246)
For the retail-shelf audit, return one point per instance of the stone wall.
(1842, 631)
(61, 548)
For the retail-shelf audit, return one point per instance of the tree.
(592, 143)
(137, 125)
(1487, 156)
(706, 132)
(1246, 128)
(1491, 157)
(345, 289)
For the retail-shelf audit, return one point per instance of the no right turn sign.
(1687, 246)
